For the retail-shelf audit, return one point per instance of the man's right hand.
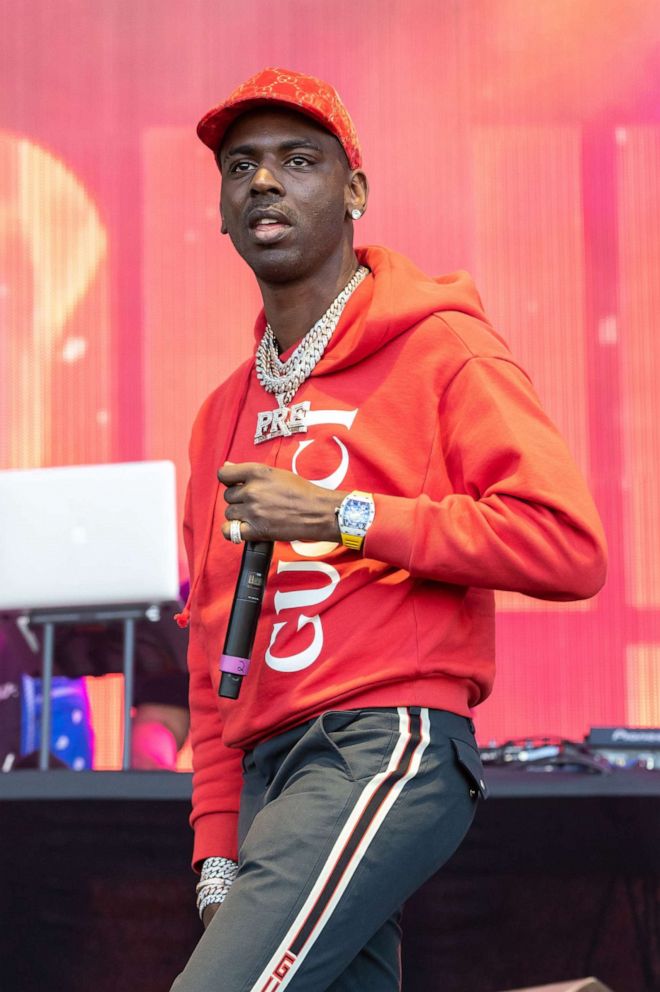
(209, 913)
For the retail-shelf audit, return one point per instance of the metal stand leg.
(46, 685)
(128, 616)
(129, 665)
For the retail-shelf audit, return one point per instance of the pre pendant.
(281, 422)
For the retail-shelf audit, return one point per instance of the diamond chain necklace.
(285, 378)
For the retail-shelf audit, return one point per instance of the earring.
(356, 214)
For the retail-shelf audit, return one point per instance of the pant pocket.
(361, 739)
(469, 762)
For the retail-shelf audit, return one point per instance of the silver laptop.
(88, 535)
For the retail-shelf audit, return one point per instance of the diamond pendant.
(281, 422)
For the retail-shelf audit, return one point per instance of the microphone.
(244, 616)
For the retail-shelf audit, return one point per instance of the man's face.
(286, 193)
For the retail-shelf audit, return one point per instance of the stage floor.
(559, 877)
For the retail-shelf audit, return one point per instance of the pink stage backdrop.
(518, 140)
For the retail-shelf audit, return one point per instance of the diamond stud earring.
(356, 214)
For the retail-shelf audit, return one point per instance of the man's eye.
(241, 167)
(299, 161)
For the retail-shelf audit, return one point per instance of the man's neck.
(292, 309)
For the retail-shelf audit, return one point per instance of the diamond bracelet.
(216, 879)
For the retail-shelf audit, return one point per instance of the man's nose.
(265, 181)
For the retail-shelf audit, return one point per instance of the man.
(384, 438)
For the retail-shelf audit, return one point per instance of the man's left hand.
(275, 505)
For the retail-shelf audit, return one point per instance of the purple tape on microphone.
(231, 663)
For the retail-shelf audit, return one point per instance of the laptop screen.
(88, 535)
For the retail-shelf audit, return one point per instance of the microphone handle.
(244, 616)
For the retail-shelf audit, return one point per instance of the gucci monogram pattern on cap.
(306, 94)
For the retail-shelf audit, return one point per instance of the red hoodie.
(418, 401)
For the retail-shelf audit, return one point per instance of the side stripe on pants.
(371, 808)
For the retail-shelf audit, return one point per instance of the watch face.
(356, 513)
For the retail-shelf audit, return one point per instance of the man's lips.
(269, 231)
(268, 225)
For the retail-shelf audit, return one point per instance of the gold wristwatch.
(354, 516)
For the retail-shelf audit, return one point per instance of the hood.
(395, 297)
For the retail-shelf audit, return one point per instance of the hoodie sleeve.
(217, 775)
(520, 517)
(217, 770)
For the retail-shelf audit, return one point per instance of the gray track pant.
(342, 819)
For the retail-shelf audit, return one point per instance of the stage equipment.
(626, 747)
(603, 750)
(544, 754)
(88, 543)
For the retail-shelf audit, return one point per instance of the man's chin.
(275, 264)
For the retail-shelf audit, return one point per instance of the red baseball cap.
(286, 88)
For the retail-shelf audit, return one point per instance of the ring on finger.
(235, 531)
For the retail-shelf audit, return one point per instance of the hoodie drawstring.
(183, 618)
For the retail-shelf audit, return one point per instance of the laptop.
(88, 536)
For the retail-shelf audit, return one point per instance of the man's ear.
(357, 194)
(223, 226)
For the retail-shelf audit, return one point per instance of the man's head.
(291, 178)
